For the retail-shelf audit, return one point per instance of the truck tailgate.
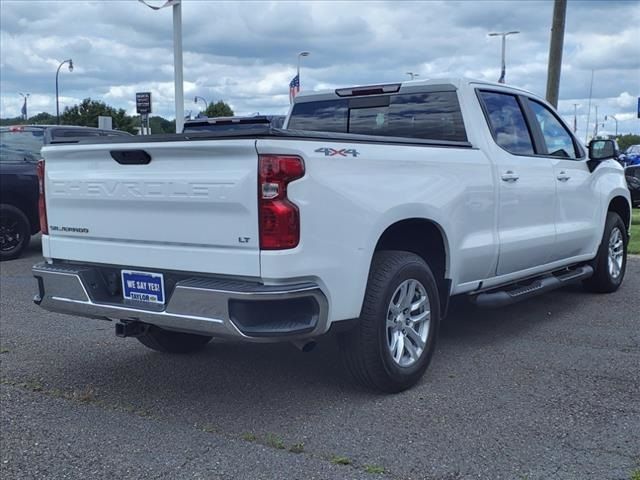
(193, 207)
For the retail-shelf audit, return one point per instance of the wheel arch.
(427, 239)
(620, 205)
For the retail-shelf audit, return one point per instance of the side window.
(326, 116)
(556, 137)
(507, 122)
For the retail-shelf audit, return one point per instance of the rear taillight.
(279, 217)
(42, 206)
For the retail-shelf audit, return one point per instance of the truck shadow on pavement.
(241, 375)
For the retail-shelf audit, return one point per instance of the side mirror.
(600, 150)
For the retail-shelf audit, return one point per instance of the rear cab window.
(425, 116)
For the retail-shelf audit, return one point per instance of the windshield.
(633, 149)
(20, 143)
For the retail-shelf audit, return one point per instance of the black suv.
(632, 175)
(19, 154)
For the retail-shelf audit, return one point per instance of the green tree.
(159, 124)
(625, 141)
(12, 121)
(42, 118)
(219, 109)
(87, 112)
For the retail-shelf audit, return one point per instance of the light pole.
(300, 55)
(195, 100)
(70, 62)
(177, 58)
(575, 118)
(607, 117)
(24, 106)
(413, 75)
(504, 46)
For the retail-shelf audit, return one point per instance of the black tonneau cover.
(263, 132)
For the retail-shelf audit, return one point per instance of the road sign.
(143, 103)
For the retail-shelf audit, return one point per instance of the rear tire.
(167, 341)
(610, 264)
(375, 351)
(15, 232)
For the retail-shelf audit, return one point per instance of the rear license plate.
(143, 286)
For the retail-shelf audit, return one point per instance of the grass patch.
(337, 460)
(86, 395)
(297, 448)
(274, 442)
(4, 350)
(634, 242)
(373, 469)
(249, 437)
(635, 475)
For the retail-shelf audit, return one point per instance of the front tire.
(15, 232)
(392, 345)
(610, 264)
(167, 341)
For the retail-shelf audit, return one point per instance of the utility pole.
(555, 51)
(575, 118)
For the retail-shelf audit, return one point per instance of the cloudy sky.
(245, 52)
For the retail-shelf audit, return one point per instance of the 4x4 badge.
(332, 152)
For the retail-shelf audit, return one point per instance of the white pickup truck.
(364, 216)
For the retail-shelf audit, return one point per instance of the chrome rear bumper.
(202, 305)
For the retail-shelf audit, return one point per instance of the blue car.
(631, 156)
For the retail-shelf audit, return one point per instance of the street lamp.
(300, 55)
(24, 107)
(70, 62)
(504, 44)
(607, 117)
(413, 75)
(195, 100)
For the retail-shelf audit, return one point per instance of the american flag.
(294, 88)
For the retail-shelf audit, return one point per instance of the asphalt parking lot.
(547, 389)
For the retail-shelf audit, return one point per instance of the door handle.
(563, 177)
(510, 176)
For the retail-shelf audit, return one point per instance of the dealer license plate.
(143, 286)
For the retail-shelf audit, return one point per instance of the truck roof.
(446, 83)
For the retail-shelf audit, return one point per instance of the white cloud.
(245, 52)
